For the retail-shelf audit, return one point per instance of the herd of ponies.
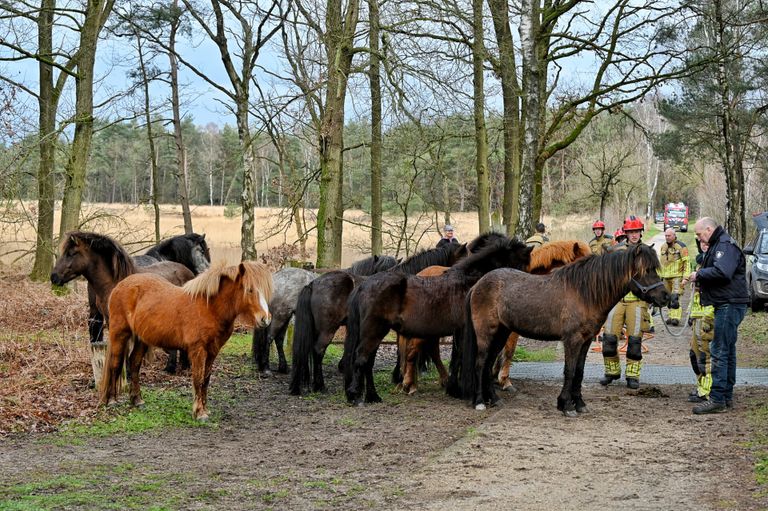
(484, 294)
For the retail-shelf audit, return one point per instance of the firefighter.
(618, 237)
(600, 243)
(702, 322)
(539, 237)
(674, 265)
(631, 313)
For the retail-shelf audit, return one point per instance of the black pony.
(371, 265)
(570, 304)
(414, 306)
(322, 309)
(191, 250)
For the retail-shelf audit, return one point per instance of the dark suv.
(757, 264)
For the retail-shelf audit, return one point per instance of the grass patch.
(543, 355)
(238, 345)
(96, 487)
(164, 408)
(755, 327)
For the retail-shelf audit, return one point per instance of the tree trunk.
(75, 169)
(533, 73)
(248, 225)
(339, 51)
(481, 136)
(181, 153)
(376, 139)
(47, 103)
(510, 91)
(150, 138)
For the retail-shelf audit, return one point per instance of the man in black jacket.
(723, 284)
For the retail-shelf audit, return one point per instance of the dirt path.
(428, 451)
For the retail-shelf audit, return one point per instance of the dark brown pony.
(104, 262)
(322, 308)
(414, 306)
(544, 259)
(198, 318)
(570, 304)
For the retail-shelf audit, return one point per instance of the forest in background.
(513, 110)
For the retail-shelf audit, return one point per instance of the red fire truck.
(676, 216)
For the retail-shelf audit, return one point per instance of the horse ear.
(375, 258)
(203, 236)
(576, 250)
(241, 270)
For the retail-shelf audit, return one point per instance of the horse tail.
(452, 386)
(112, 384)
(304, 338)
(461, 382)
(401, 360)
(352, 339)
(468, 381)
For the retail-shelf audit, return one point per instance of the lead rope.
(684, 322)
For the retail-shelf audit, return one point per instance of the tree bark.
(150, 137)
(534, 72)
(181, 153)
(376, 138)
(48, 100)
(735, 204)
(510, 90)
(481, 136)
(339, 51)
(96, 15)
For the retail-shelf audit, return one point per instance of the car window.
(763, 244)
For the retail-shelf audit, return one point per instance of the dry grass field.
(133, 227)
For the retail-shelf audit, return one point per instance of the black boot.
(608, 379)
(633, 383)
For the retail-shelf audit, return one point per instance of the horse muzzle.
(57, 280)
(264, 321)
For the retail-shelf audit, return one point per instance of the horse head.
(201, 256)
(255, 279)
(73, 259)
(456, 252)
(645, 282)
(484, 240)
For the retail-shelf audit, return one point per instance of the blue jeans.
(723, 350)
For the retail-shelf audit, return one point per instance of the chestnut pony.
(570, 304)
(544, 259)
(198, 318)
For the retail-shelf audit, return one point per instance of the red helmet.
(619, 232)
(632, 223)
(599, 224)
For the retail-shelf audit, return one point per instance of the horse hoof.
(570, 413)
(139, 404)
(411, 391)
(203, 418)
(582, 409)
(480, 407)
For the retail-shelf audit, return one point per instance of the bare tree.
(253, 25)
